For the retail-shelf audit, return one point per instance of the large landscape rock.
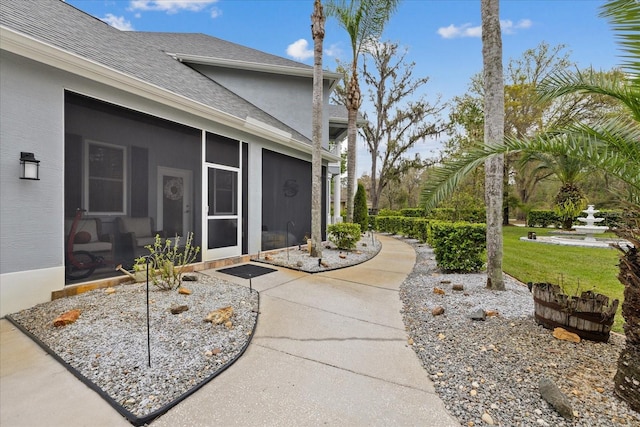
(220, 316)
(563, 334)
(66, 318)
(552, 394)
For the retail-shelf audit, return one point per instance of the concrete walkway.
(330, 348)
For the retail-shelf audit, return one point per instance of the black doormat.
(247, 271)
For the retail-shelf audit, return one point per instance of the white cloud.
(299, 50)
(118, 22)
(215, 12)
(171, 6)
(467, 30)
(333, 51)
(508, 27)
(464, 30)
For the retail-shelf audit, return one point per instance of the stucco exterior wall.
(32, 121)
(287, 98)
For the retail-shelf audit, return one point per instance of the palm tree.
(570, 200)
(493, 134)
(317, 32)
(611, 145)
(364, 21)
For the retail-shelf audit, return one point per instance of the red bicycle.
(81, 264)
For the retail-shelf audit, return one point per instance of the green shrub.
(419, 229)
(388, 212)
(390, 224)
(360, 212)
(344, 235)
(406, 226)
(372, 222)
(459, 246)
(415, 228)
(569, 202)
(612, 218)
(168, 261)
(412, 212)
(543, 218)
(474, 215)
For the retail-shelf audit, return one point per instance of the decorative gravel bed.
(107, 345)
(332, 258)
(492, 368)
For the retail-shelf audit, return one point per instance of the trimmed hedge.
(458, 246)
(415, 228)
(420, 229)
(388, 212)
(344, 235)
(612, 218)
(389, 224)
(412, 212)
(455, 215)
(543, 218)
(371, 219)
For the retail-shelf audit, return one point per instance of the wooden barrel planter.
(589, 316)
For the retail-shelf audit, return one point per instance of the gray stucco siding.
(31, 109)
(287, 98)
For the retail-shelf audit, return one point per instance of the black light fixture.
(29, 166)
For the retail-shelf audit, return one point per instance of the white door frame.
(227, 251)
(187, 202)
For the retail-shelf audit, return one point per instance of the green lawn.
(573, 267)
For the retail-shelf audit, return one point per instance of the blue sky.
(442, 36)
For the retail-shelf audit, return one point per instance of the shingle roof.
(213, 47)
(63, 26)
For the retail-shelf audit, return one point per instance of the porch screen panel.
(223, 192)
(139, 182)
(113, 157)
(222, 233)
(222, 150)
(286, 200)
(72, 174)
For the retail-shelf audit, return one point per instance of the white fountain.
(591, 228)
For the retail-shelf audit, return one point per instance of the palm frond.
(614, 85)
(363, 20)
(373, 16)
(624, 16)
(612, 146)
(444, 178)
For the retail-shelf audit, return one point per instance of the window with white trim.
(105, 178)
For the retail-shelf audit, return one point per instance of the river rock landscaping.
(107, 344)
(488, 372)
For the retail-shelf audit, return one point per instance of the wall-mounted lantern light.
(29, 166)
